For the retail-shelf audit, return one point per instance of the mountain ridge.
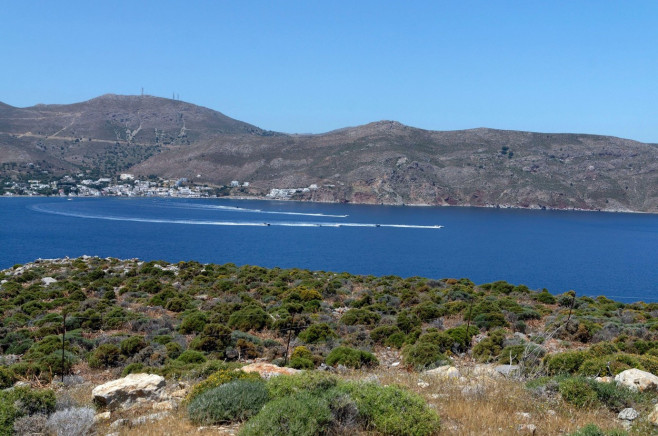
(379, 162)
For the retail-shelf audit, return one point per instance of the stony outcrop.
(125, 391)
(637, 380)
(267, 370)
(444, 372)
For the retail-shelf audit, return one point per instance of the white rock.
(165, 405)
(267, 370)
(444, 372)
(637, 380)
(395, 364)
(47, 281)
(152, 417)
(119, 423)
(604, 379)
(523, 415)
(628, 414)
(507, 370)
(423, 385)
(100, 417)
(476, 390)
(530, 429)
(128, 390)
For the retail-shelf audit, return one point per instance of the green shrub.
(380, 334)
(595, 367)
(441, 339)
(577, 391)
(593, 430)
(616, 397)
(391, 410)
(516, 353)
(301, 363)
(302, 414)
(360, 317)
(252, 317)
(19, 402)
(407, 321)
(350, 357)
(193, 323)
(219, 378)
(317, 333)
(134, 368)
(603, 349)
(546, 297)
(490, 320)
(230, 402)
(174, 350)
(191, 356)
(7, 377)
(302, 353)
(56, 365)
(489, 347)
(132, 345)
(105, 356)
(423, 355)
(461, 337)
(565, 363)
(396, 340)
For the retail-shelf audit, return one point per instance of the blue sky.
(310, 66)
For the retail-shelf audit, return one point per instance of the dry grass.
(497, 409)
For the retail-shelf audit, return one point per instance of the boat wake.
(42, 209)
(248, 210)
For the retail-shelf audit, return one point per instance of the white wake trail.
(42, 209)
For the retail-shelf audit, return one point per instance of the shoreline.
(265, 198)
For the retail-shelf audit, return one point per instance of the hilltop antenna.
(142, 91)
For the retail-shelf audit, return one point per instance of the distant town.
(125, 185)
(128, 185)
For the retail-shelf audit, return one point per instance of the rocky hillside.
(156, 347)
(382, 162)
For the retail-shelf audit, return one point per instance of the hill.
(381, 162)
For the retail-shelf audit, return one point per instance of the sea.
(592, 253)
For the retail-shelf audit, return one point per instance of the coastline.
(265, 198)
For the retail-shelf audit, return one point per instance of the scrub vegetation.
(196, 322)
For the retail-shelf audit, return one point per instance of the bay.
(593, 253)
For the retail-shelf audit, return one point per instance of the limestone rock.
(637, 380)
(129, 389)
(120, 423)
(47, 281)
(507, 370)
(628, 414)
(100, 417)
(529, 429)
(267, 370)
(444, 372)
(165, 405)
(148, 418)
(474, 390)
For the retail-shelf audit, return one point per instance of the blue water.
(593, 253)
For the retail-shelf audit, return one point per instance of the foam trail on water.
(241, 209)
(39, 208)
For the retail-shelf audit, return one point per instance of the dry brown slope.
(386, 162)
